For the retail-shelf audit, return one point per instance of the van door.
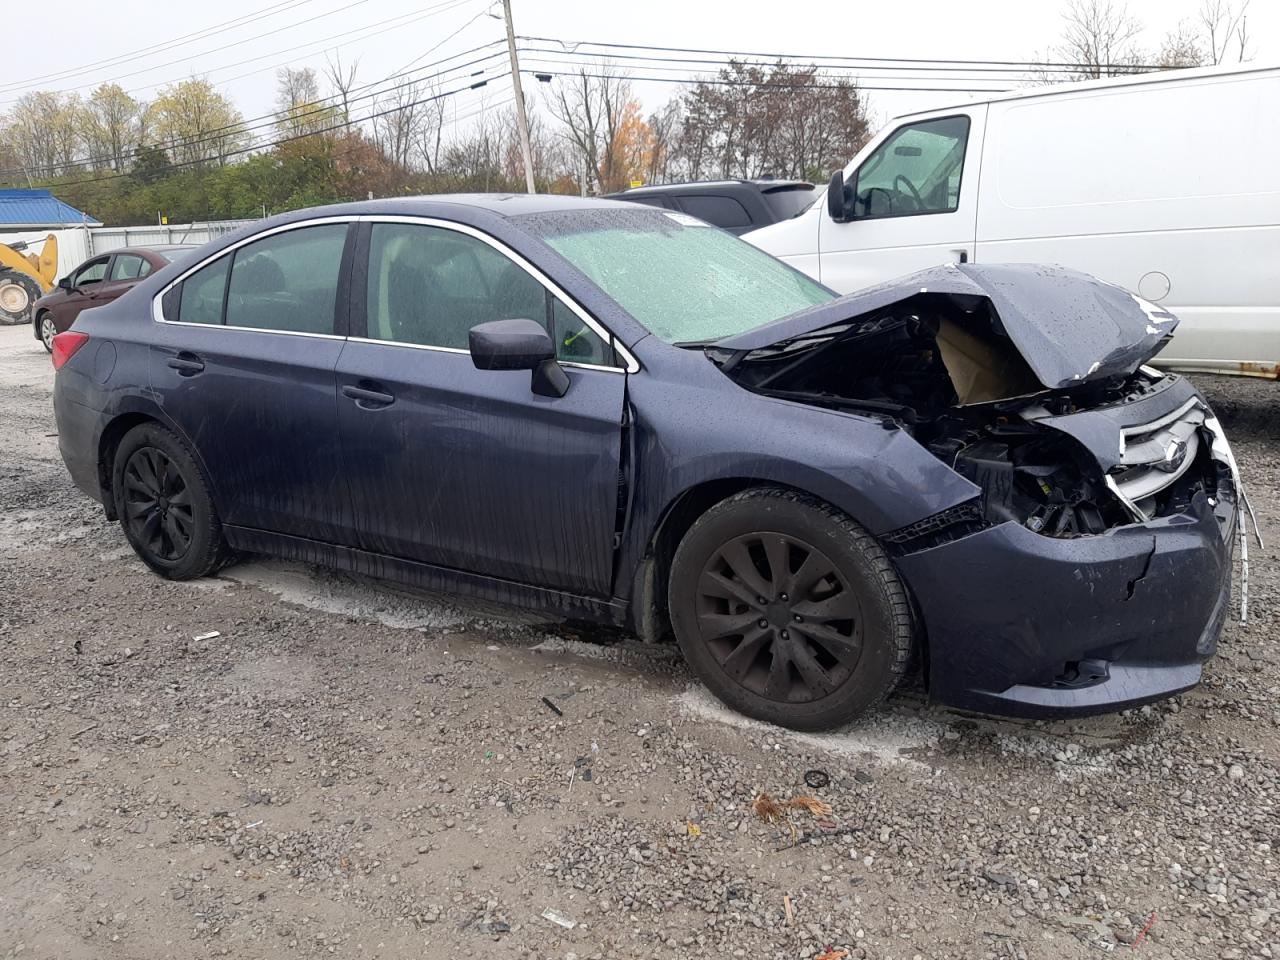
(910, 203)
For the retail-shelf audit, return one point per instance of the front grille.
(1156, 454)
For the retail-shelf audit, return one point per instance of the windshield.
(685, 281)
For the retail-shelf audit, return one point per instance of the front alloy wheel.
(788, 610)
(779, 617)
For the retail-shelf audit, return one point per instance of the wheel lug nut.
(761, 600)
(763, 622)
(785, 635)
(783, 598)
(798, 618)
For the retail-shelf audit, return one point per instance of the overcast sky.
(387, 35)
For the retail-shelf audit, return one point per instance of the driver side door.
(86, 287)
(914, 203)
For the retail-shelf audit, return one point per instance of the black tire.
(17, 294)
(45, 330)
(162, 500)
(811, 661)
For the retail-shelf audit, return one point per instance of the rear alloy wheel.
(788, 610)
(164, 505)
(47, 330)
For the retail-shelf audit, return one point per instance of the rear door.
(243, 362)
(464, 468)
(913, 203)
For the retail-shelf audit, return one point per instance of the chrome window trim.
(467, 353)
(630, 364)
(157, 312)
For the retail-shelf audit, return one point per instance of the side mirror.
(65, 284)
(837, 205)
(519, 345)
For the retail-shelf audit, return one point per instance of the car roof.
(764, 185)
(155, 248)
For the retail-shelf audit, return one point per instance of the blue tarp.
(26, 209)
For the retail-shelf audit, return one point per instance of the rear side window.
(288, 281)
(790, 202)
(202, 294)
(128, 266)
(724, 212)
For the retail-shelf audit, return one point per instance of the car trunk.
(1028, 380)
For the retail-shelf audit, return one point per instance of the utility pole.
(522, 115)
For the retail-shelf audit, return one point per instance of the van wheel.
(788, 610)
(164, 506)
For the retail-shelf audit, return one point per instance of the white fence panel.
(104, 239)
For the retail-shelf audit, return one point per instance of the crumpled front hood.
(1068, 326)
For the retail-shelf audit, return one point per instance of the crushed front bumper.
(1026, 625)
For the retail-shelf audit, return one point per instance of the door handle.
(187, 364)
(368, 399)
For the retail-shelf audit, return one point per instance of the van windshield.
(684, 280)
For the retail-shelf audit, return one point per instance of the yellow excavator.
(25, 278)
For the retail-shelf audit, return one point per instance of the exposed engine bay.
(1113, 443)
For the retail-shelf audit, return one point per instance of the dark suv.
(733, 205)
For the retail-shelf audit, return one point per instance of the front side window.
(128, 266)
(92, 272)
(915, 171)
(681, 279)
(429, 286)
(288, 281)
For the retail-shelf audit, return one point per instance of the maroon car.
(97, 281)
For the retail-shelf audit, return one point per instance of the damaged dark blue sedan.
(619, 414)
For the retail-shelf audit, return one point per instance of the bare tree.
(299, 109)
(1099, 38)
(396, 129)
(589, 104)
(1181, 48)
(430, 130)
(1225, 30)
(343, 80)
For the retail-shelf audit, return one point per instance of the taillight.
(65, 346)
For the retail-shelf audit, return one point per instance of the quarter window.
(203, 293)
(288, 281)
(430, 286)
(724, 212)
(915, 171)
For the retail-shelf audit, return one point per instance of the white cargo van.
(1167, 184)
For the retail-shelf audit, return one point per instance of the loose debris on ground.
(285, 762)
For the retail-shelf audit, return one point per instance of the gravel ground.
(350, 770)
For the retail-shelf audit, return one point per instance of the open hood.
(1067, 327)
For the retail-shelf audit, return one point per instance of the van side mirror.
(519, 345)
(836, 207)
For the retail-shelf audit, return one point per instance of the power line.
(832, 66)
(396, 21)
(312, 110)
(1027, 65)
(227, 155)
(157, 47)
(859, 80)
(778, 86)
